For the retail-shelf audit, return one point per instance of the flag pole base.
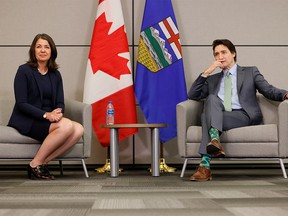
(164, 167)
(106, 167)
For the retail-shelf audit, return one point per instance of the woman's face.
(42, 51)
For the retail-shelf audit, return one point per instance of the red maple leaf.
(105, 48)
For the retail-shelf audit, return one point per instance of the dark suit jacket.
(249, 81)
(29, 97)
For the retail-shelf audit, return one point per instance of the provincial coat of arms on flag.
(159, 45)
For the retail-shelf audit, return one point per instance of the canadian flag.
(108, 74)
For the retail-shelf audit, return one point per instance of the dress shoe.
(202, 174)
(215, 149)
(47, 173)
(37, 172)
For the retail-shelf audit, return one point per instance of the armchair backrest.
(6, 107)
(269, 109)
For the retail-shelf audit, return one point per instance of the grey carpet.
(241, 192)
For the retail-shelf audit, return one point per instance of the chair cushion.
(239, 150)
(255, 133)
(11, 135)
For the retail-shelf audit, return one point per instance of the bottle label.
(110, 112)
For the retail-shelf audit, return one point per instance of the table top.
(134, 126)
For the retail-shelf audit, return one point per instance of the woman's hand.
(55, 116)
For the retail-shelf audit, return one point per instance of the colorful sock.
(214, 134)
(205, 161)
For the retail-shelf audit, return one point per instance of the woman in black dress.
(39, 106)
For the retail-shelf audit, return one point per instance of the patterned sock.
(214, 134)
(205, 161)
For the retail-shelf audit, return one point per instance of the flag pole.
(117, 75)
(156, 75)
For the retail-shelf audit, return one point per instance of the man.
(230, 101)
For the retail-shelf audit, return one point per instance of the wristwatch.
(44, 116)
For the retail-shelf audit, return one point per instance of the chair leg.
(184, 168)
(61, 167)
(85, 168)
(283, 168)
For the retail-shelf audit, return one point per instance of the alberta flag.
(160, 81)
(108, 74)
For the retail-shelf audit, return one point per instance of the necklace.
(43, 73)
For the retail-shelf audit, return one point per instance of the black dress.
(40, 128)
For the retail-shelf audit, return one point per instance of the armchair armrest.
(188, 113)
(283, 128)
(82, 113)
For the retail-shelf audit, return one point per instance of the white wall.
(258, 28)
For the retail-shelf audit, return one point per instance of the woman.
(39, 106)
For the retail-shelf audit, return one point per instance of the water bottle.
(110, 113)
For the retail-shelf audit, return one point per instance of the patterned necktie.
(228, 92)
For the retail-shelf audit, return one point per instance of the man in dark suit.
(230, 101)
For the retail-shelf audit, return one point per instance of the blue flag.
(160, 80)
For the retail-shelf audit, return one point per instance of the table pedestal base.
(106, 167)
(114, 146)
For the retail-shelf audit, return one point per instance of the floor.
(240, 192)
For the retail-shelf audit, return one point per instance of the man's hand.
(215, 64)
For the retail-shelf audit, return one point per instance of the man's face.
(223, 55)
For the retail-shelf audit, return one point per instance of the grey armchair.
(268, 141)
(16, 147)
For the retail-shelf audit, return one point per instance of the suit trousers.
(214, 115)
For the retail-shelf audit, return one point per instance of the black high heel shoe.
(37, 172)
(46, 171)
